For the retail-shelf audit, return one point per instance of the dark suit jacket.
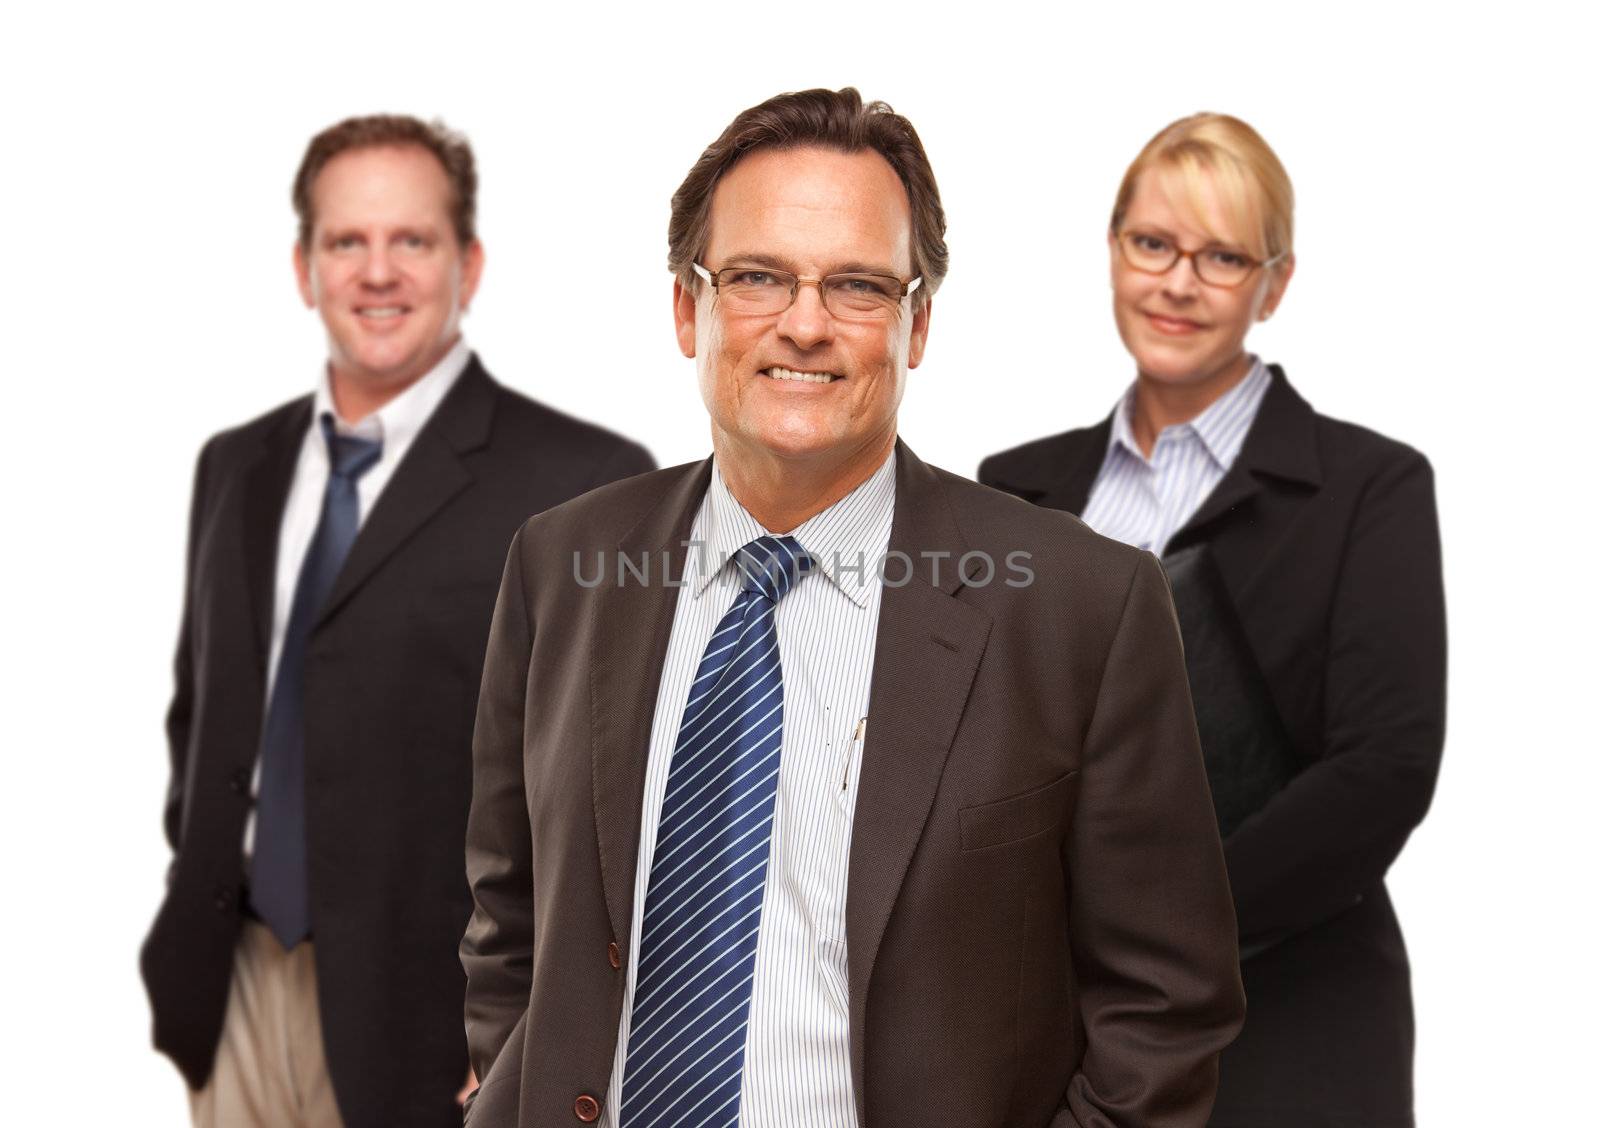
(1038, 920)
(392, 676)
(1326, 539)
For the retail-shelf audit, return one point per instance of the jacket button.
(586, 1109)
(240, 783)
(224, 900)
(614, 954)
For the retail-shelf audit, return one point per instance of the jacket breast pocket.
(1019, 817)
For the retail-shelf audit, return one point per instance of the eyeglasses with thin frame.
(1150, 252)
(761, 291)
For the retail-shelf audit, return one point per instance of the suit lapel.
(1247, 525)
(1237, 487)
(633, 626)
(431, 473)
(265, 492)
(1280, 446)
(928, 649)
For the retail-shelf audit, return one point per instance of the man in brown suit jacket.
(1006, 904)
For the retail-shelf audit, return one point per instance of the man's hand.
(466, 1090)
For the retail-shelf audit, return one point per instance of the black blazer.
(1326, 540)
(392, 677)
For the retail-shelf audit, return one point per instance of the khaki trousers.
(270, 1071)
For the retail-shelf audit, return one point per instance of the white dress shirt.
(396, 425)
(797, 1048)
(1144, 501)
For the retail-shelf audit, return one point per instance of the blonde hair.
(1217, 150)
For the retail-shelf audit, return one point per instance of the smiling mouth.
(382, 313)
(1177, 325)
(777, 373)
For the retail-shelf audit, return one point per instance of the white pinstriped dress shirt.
(797, 1048)
(1144, 501)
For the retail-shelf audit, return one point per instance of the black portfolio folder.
(1247, 751)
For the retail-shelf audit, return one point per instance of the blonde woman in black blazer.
(1308, 585)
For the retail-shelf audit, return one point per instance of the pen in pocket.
(855, 740)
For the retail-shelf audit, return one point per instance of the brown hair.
(1242, 167)
(832, 119)
(382, 130)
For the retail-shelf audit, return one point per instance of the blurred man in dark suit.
(343, 556)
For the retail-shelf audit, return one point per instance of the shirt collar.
(1221, 427)
(1122, 439)
(847, 540)
(397, 422)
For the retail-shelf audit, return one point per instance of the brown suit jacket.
(1039, 923)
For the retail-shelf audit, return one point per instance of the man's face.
(384, 268)
(812, 212)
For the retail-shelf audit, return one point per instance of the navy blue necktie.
(278, 885)
(697, 948)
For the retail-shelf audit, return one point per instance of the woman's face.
(1180, 329)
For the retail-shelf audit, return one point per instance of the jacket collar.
(431, 473)
(1281, 444)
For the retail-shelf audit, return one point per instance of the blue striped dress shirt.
(797, 1048)
(1144, 501)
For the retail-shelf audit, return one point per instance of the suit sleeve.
(497, 950)
(1332, 833)
(180, 713)
(1154, 948)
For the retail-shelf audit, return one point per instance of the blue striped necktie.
(279, 890)
(697, 950)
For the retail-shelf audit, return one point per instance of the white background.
(1444, 160)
